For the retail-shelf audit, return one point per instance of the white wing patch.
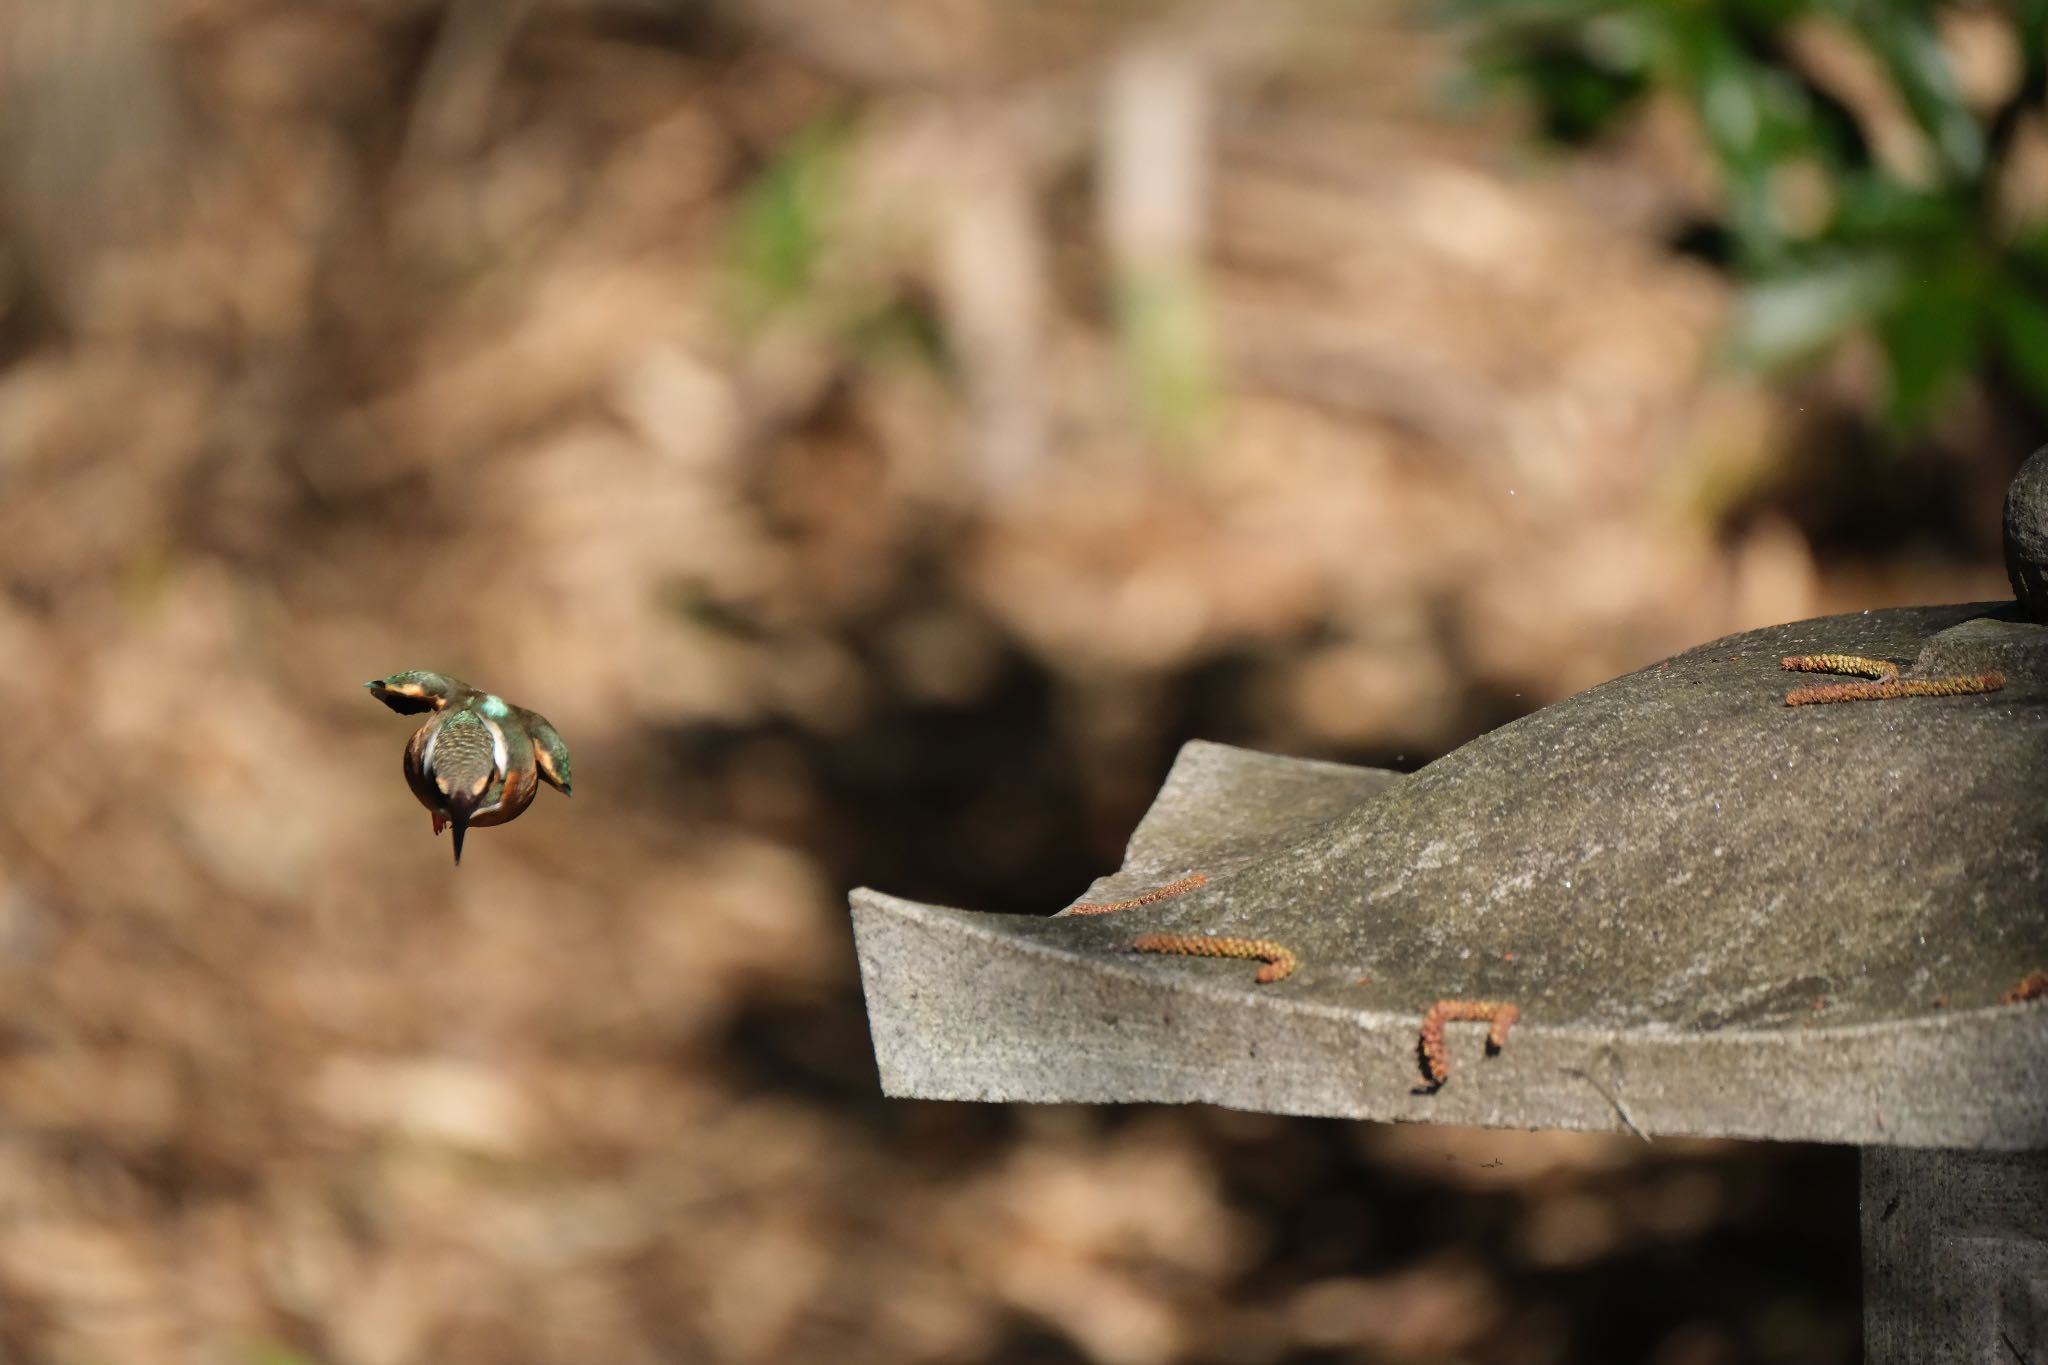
(499, 755)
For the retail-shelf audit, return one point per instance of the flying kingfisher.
(477, 760)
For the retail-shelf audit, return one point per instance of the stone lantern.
(1712, 897)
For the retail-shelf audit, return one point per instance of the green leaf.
(1756, 117)
(1912, 264)
(1903, 35)
(784, 219)
(2022, 322)
(1874, 208)
(1932, 336)
(276, 1353)
(1162, 316)
(1576, 99)
(1793, 316)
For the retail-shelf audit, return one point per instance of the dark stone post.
(1955, 1257)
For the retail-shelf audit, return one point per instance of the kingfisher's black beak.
(404, 703)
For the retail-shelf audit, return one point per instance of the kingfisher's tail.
(461, 806)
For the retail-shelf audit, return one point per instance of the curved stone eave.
(1876, 863)
(969, 1006)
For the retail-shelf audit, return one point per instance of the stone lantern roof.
(1724, 895)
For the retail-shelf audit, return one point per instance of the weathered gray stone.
(1726, 916)
(2026, 535)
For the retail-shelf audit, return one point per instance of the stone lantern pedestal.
(1716, 913)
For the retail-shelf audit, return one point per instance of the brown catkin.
(2032, 986)
(1436, 1057)
(1280, 961)
(1961, 686)
(1171, 889)
(1842, 663)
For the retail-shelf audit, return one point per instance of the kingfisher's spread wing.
(550, 751)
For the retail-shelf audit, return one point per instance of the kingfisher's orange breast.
(520, 785)
(521, 781)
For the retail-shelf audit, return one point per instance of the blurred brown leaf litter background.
(877, 436)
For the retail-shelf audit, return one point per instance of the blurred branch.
(992, 283)
(453, 108)
(1155, 155)
(87, 129)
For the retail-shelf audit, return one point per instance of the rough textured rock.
(2026, 535)
(1719, 914)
